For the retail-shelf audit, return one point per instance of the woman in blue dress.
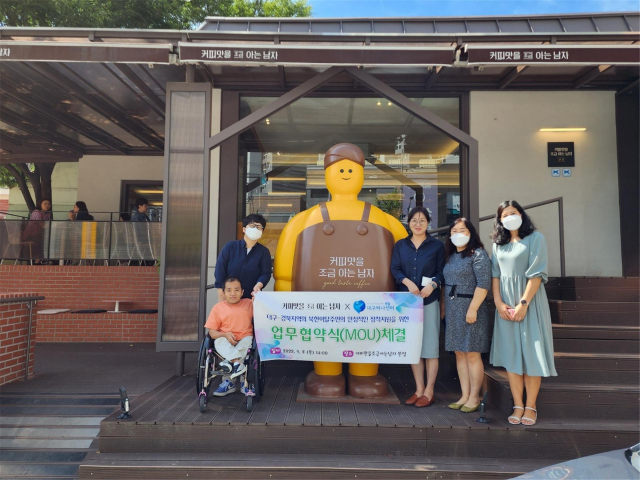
(522, 334)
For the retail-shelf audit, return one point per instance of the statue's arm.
(397, 229)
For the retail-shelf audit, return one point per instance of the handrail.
(31, 299)
(560, 201)
(2, 212)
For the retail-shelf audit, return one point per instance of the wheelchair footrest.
(219, 372)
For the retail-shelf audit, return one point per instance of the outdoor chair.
(14, 236)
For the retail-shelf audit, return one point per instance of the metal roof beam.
(150, 97)
(511, 76)
(433, 77)
(629, 87)
(58, 114)
(590, 75)
(101, 103)
(25, 124)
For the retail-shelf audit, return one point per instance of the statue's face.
(344, 177)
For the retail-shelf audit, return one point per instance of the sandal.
(531, 420)
(517, 420)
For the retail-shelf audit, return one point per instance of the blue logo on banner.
(566, 172)
(359, 306)
(555, 172)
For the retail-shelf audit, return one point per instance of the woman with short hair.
(467, 276)
(522, 334)
(416, 264)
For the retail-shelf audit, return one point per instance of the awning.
(553, 54)
(306, 55)
(47, 51)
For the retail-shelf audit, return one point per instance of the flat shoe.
(516, 420)
(412, 400)
(469, 409)
(532, 421)
(455, 406)
(424, 401)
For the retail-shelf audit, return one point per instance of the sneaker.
(225, 366)
(225, 388)
(238, 369)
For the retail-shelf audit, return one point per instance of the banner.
(351, 327)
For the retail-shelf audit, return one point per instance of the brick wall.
(14, 327)
(84, 287)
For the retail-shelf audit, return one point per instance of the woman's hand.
(520, 312)
(258, 287)
(413, 288)
(472, 316)
(426, 291)
(72, 216)
(503, 311)
(231, 337)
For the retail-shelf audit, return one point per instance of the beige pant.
(231, 352)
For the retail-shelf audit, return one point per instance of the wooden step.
(596, 369)
(632, 283)
(594, 294)
(596, 339)
(566, 401)
(261, 466)
(595, 313)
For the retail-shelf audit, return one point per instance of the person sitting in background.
(125, 217)
(80, 212)
(140, 214)
(230, 327)
(34, 231)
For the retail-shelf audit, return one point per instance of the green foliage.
(6, 178)
(390, 203)
(167, 14)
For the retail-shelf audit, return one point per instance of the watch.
(434, 285)
(523, 302)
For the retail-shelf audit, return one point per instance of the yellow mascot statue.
(341, 245)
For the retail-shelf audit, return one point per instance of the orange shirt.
(236, 318)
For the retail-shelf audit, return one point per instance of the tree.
(169, 14)
(22, 175)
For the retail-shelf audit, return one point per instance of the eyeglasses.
(418, 222)
(255, 225)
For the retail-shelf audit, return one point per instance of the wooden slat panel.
(228, 410)
(263, 409)
(365, 415)
(295, 415)
(330, 414)
(173, 396)
(347, 413)
(283, 401)
(312, 414)
(382, 415)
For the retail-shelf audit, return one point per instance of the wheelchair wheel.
(202, 362)
(249, 403)
(203, 403)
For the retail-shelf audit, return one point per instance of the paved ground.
(51, 422)
(99, 368)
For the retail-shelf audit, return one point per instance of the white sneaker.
(238, 369)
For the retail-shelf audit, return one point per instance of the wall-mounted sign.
(555, 172)
(566, 172)
(561, 154)
(97, 52)
(553, 54)
(314, 55)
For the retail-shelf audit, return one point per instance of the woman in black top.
(417, 264)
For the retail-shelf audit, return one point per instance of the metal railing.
(54, 240)
(560, 202)
(31, 301)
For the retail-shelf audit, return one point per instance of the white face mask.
(253, 233)
(460, 239)
(512, 222)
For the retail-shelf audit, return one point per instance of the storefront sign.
(314, 55)
(84, 52)
(561, 154)
(554, 54)
(351, 327)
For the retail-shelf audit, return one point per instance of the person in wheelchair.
(230, 327)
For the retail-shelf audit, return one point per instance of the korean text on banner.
(363, 327)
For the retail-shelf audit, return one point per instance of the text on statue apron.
(343, 255)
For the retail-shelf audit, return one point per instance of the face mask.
(512, 222)
(460, 239)
(253, 233)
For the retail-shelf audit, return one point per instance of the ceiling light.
(148, 191)
(563, 129)
(389, 103)
(279, 205)
(379, 102)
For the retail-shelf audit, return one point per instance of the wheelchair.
(208, 360)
